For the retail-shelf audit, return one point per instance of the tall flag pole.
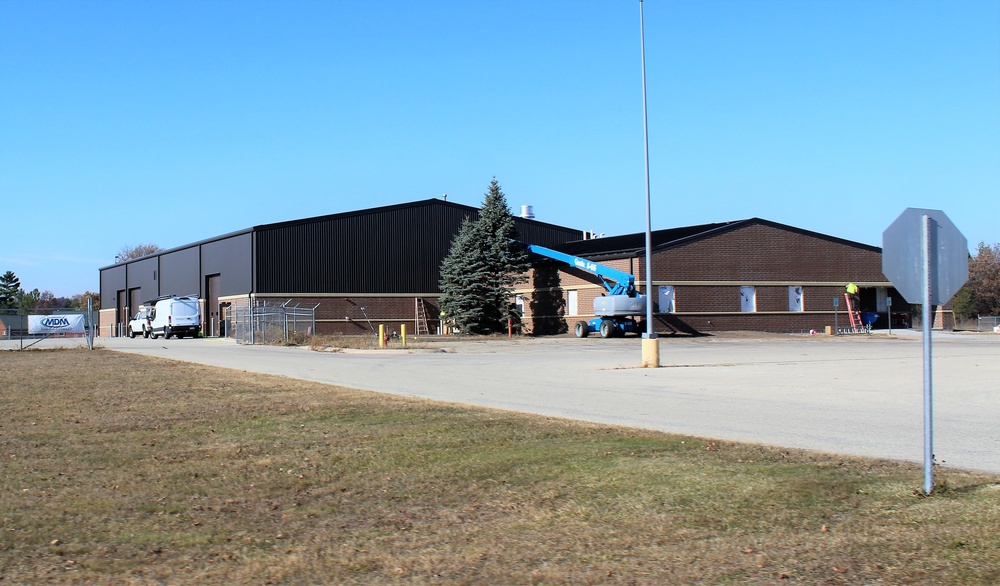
(650, 342)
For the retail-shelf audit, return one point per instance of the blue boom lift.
(616, 309)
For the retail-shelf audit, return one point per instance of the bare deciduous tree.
(129, 252)
(47, 300)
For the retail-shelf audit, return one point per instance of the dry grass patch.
(337, 343)
(122, 469)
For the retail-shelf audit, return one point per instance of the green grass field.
(119, 469)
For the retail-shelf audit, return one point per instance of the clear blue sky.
(163, 122)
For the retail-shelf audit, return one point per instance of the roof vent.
(528, 212)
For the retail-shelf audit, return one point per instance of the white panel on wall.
(666, 300)
(748, 298)
(795, 298)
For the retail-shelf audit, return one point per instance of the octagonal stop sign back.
(903, 260)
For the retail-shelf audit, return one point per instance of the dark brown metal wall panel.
(179, 272)
(545, 234)
(143, 274)
(393, 249)
(112, 281)
(230, 258)
(398, 249)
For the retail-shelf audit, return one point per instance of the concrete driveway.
(860, 395)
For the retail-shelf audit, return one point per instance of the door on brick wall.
(213, 319)
(572, 302)
(121, 314)
(224, 326)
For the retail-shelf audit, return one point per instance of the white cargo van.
(174, 316)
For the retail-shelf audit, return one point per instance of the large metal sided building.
(385, 260)
(382, 266)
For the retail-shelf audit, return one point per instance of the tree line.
(981, 293)
(12, 296)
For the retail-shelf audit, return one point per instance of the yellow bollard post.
(402, 334)
(381, 335)
(650, 352)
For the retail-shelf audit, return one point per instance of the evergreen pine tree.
(485, 262)
(10, 285)
(465, 281)
(27, 300)
(506, 259)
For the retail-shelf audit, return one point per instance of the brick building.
(751, 275)
(382, 266)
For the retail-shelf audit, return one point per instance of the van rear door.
(185, 311)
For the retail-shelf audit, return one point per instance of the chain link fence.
(988, 323)
(16, 326)
(261, 322)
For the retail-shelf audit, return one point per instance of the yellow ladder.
(421, 317)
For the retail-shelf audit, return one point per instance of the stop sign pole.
(926, 271)
(926, 318)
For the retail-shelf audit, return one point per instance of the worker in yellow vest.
(852, 293)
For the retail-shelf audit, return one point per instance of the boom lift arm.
(615, 311)
(615, 281)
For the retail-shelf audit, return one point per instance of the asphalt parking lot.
(860, 395)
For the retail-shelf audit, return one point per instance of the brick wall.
(106, 323)
(762, 252)
(707, 275)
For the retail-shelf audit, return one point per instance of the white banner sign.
(56, 324)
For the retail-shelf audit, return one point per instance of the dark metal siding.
(231, 259)
(112, 281)
(179, 272)
(143, 274)
(398, 249)
(545, 234)
(182, 270)
(394, 249)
